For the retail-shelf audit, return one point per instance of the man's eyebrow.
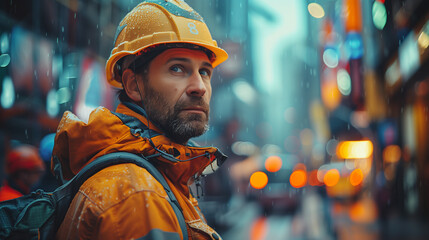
(187, 60)
(207, 64)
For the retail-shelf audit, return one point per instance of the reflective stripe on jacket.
(124, 201)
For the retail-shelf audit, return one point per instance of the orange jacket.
(124, 201)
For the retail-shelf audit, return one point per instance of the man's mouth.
(195, 109)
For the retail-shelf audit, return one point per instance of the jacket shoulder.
(119, 202)
(118, 182)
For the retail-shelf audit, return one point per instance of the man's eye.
(205, 72)
(176, 68)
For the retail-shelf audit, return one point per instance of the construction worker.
(24, 167)
(163, 59)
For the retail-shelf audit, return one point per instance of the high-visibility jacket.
(124, 201)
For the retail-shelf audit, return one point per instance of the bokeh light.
(316, 10)
(356, 177)
(244, 91)
(331, 57)
(344, 82)
(258, 180)
(363, 211)
(7, 93)
(331, 177)
(354, 149)
(391, 154)
(4, 60)
(273, 163)
(313, 179)
(298, 178)
(330, 94)
(423, 40)
(354, 44)
(4, 43)
(379, 15)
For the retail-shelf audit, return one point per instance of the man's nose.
(196, 86)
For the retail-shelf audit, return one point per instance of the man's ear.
(129, 81)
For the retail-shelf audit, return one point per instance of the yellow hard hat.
(156, 22)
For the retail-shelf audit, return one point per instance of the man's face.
(177, 93)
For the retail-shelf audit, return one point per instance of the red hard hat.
(24, 157)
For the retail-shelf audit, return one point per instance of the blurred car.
(277, 195)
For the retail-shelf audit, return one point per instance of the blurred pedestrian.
(24, 167)
(48, 182)
(163, 59)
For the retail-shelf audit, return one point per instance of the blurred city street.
(319, 218)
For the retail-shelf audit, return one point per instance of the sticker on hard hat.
(193, 28)
(176, 10)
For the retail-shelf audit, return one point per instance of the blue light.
(354, 45)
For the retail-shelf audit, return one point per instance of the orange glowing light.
(392, 154)
(330, 94)
(354, 149)
(258, 180)
(353, 15)
(258, 229)
(363, 211)
(313, 179)
(331, 177)
(356, 177)
(273, 163)
(298, 179)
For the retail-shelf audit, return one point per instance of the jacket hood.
(77, 143)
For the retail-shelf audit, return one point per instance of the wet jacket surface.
(124, 201)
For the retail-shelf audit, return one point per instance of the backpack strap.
(65, 194)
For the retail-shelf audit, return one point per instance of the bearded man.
(163, 61)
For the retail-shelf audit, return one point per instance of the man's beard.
(178, 128)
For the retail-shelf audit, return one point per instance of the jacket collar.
(181, 163)
(77, 143)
